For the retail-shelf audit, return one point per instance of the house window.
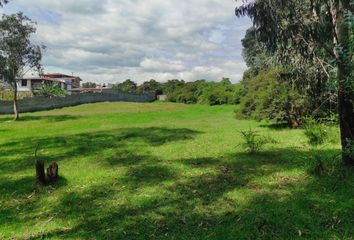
(23, 83)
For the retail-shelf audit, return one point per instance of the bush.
(9, 95)
(316, 132)
(51, 90)
(203, 92)
(253, 141)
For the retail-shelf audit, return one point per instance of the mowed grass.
(165, 171)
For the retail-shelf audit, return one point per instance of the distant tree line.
(200, 91)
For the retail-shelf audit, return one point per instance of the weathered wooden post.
(40, 175)
(52, 172)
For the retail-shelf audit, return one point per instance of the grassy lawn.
(165, 171)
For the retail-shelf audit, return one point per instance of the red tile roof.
(60, 75)
(90, 89)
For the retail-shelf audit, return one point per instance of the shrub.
(253, 141)
(316, 132)
(9, 96)
(51, 90)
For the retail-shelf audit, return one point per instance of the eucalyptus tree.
(18, 54)
(303, 31)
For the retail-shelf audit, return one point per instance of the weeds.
(321, 165)
(253, 142)
(316, 132)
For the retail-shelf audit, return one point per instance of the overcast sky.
(109, 41)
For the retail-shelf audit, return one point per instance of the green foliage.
(322, 165)
(253, 142)
(313, 40)
(171, 86)
(204, 92)
(18, 54)
(315, 131)
(17, 51)
(200, 91)
(127, 86)
(309, 87)
(151, 86)
(51, 90)
(267, 96)
(9, 95)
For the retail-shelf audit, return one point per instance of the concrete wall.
(26, 88)
(44, 103)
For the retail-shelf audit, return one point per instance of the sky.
(108, 41)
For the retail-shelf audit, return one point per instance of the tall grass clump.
(253, 142)
(316, 132)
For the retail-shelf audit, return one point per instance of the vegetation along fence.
(46, 103)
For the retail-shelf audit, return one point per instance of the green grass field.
(165, 171)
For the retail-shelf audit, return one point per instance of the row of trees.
(300, 54)
(200, 91)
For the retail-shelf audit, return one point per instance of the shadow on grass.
(23, 196)
(148, 175)
(17, 156)
(88, 144)
(48, 118)
(244, 197)
(26, 185)
(214, 205)
(276, 126)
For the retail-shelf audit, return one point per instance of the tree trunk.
(40, 175)
(345, 89)
(52, 172)
(16, 116)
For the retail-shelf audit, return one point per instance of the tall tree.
(127, 86)
(312, 29)
(18, 54)
(151, 86)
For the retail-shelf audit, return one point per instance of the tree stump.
(52, 172)
(40, 174)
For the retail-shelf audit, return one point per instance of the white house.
(33, 84)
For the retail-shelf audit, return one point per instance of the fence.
(46, 103)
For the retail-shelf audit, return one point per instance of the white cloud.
(162, 65)
(112, 40)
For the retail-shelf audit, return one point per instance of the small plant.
(317, 165)
(316, 132)
(51, 90)
(322, 165)
(253, 141)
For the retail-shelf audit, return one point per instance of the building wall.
(44, 103)
(76, 84)
(162, 97)
(24, 88)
